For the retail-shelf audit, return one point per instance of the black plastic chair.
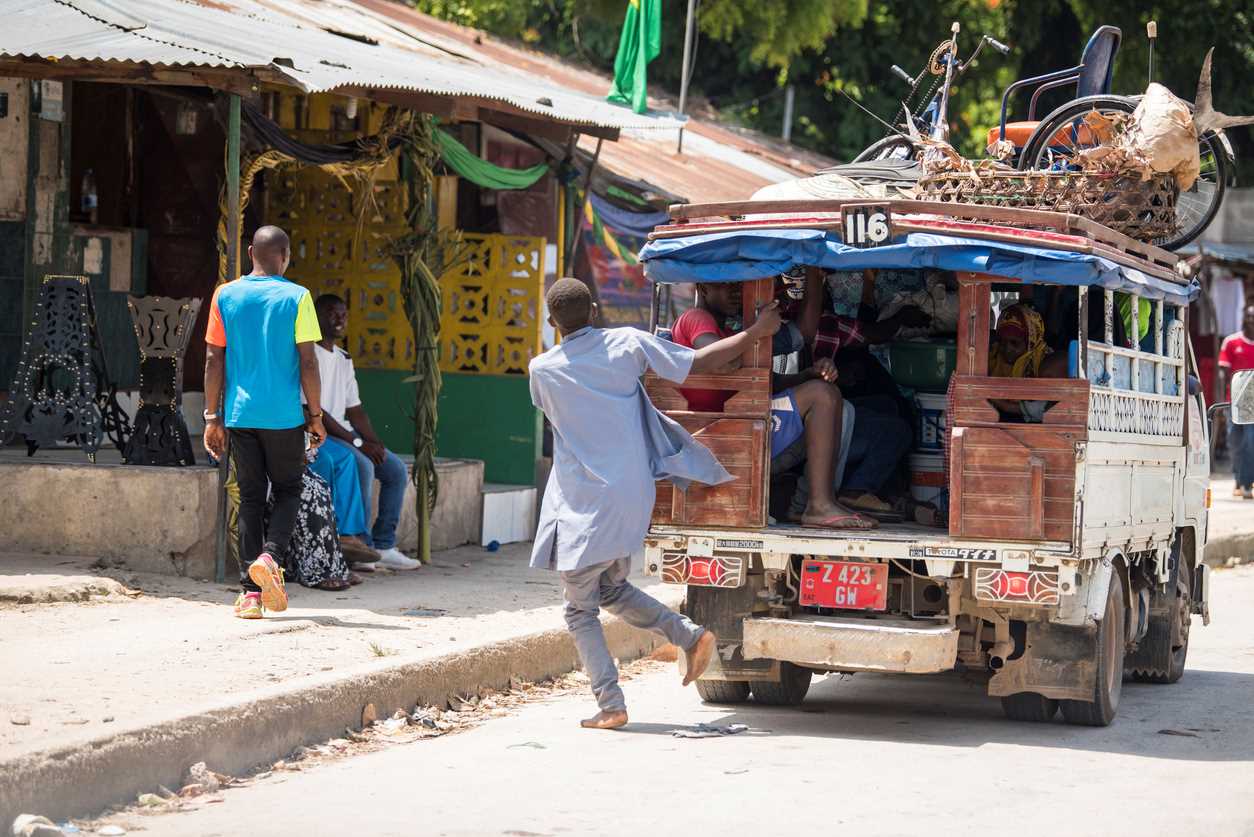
(1092, 77)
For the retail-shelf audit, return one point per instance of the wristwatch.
(210, 416)
(357, 442)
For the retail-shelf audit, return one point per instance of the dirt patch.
(460, 714)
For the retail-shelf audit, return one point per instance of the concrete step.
(509, 513)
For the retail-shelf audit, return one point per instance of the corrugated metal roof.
(1236, 252)
(291, 38)
(718, 164)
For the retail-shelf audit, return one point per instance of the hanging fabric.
(635, 224)
(482, 173)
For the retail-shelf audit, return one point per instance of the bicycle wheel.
(1062, 133)
(889, 148)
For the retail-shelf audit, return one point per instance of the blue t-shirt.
(259, 320)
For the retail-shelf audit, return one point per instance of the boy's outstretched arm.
(715, 356)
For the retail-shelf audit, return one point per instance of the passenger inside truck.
(806, 409)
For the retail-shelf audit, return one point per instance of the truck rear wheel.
(794, 682)
(1165, 646)
(723, 691)
(1029, 707)
(1111, 642)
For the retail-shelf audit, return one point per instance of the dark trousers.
(1241, 446)
(266, 460)
(880, 439)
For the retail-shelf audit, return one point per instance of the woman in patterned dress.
(315, 557)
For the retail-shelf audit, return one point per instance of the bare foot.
(698, 657)
(605, 720)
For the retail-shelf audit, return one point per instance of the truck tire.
(1029, 707)
(1111, 644)
(1165, 647)
(723, 691)
(794, 682)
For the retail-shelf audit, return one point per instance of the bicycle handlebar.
(997, 45)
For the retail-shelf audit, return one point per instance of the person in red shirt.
(1237, 353)
(808, 404)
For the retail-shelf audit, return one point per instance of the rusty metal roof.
(718, 163)
(315, 46)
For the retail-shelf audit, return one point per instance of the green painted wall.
(488, 417)
(390, 403)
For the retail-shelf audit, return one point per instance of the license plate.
(848, 585)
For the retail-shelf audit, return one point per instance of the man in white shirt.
(348, 425)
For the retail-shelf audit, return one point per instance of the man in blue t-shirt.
(260, 351)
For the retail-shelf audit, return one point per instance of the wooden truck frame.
(1073, 552)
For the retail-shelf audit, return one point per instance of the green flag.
(640, 44)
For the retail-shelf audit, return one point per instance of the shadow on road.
(1201, 718)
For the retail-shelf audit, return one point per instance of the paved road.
(864, 755)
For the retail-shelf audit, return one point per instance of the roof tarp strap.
(482, 173)
(754, 254)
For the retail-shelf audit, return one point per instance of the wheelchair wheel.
(1062, 133)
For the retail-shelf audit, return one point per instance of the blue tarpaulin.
(754, 254)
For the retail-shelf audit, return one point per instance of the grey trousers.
(589, 589)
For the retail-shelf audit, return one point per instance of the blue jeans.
(337, 466)
(392, 475)
(1241, 446)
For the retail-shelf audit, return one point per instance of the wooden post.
(974, 313)
(232, 265)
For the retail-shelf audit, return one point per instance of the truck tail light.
(1033, 587)
(715, 571)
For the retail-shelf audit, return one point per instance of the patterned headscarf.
(1024, 320)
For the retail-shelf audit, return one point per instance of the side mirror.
(1242, 410)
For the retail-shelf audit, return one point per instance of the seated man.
(350, 434)
(806, 405)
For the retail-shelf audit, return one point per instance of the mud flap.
(723, 610)
(1058, 661)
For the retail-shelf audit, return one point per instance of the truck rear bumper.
(890, 645)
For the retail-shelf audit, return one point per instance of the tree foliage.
(828, 49)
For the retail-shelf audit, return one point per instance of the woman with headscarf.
(1019, 350)
(1018, 347)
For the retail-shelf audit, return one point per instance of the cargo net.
(1142, 209)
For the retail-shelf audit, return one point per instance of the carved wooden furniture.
(163, 327)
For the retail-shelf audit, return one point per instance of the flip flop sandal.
(837, 521)
(884, 515)
(354, 579)
(333, 584)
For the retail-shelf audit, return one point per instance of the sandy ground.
(75, 671)
(871, 754)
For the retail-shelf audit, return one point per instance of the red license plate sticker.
(847, 585)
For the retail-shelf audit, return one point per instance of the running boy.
(609, 447)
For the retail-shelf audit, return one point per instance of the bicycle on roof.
(1052, 143)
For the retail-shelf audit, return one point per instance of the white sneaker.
(394, 559)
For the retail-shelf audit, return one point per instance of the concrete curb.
(1239, 547)
(83, 780)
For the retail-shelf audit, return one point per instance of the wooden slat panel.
(1012, 482)
(972, 394)
(740, 445)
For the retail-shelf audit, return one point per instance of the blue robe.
(610, 444)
